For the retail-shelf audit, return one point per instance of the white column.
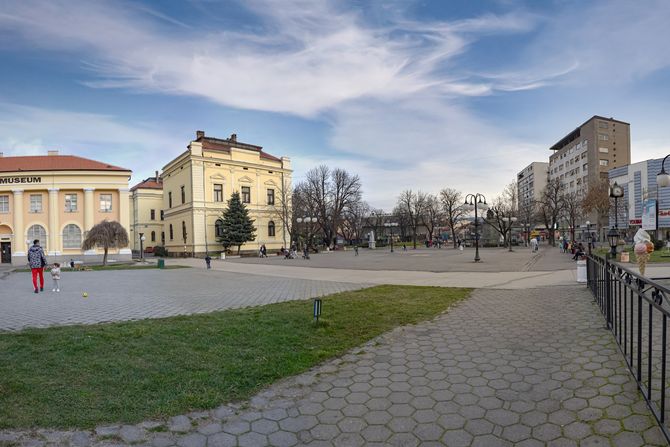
(89, 208)
(19, 242)
(54, 230)
(124, 215)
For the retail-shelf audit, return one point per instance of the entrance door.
(6, 252)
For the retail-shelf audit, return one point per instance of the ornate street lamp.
(306, 221)
(142, 239)
(477, 201)
(663, 178)
(616, 192)
(391, 225)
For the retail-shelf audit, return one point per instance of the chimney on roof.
(156, 175)
(51, 153)
(199, 134)
(233, 137)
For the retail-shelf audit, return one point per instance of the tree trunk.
(104, 257)
(239, 247)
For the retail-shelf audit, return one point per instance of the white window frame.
(4, 204)
(103, 200)
(35, 200)
(70, 204)
(72, 239)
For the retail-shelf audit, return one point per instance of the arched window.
(171, 233)
(183, 230)
(71, 236)
(38, 232)
(153, 236)
(271, 228)
(218, 228)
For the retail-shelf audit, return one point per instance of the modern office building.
(57, 199)
(198, 183)
(641, 193)
(531, 181)
(146, 213)
(584, 157)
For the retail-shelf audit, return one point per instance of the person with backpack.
(37, 261)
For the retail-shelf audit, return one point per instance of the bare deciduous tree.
(354, 219)
(107, 234)
(504, 208)
(283, 208)
(550, 207)
(432, 214)
(572, 211)
(412, 205)
(454, 212)
(327, 194)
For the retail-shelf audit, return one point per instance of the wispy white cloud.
(33, 131)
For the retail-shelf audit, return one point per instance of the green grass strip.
(82, 376)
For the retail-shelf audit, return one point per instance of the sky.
(406, 94)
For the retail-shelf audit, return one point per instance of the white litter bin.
(223, 255)
(581, 271)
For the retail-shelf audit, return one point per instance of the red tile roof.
(54, 163)
(218, 144)
(149, 183)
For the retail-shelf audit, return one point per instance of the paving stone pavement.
(526, 367)
(138, 294)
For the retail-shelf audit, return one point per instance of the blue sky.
(408, 94)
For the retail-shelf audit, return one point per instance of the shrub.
(160, 251)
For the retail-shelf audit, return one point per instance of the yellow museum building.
(198, 183)
(57, 199)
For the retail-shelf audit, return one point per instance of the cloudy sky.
(408, 94)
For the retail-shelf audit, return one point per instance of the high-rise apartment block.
(585, 155)
(531, 181)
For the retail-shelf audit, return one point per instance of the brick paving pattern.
(525, 367)
(134, 295)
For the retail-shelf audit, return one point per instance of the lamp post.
(616, 192)
(476, 200)
(510, 220)
(142, 239)
(589, 235)
(662, 180)
(391, 225)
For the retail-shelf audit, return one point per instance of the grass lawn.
(657, 256)
(81, 376)
(112, 267)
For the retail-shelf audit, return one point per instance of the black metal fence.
(636, 312)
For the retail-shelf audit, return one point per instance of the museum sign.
(13, 180)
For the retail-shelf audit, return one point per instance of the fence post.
(608, 293)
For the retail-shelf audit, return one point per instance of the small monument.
(371, 239)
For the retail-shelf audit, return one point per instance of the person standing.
(356, 250)
(37, 261)
(208, 261)
(55, 276)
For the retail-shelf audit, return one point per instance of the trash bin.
(161, 263)
(581, 271)
(223, 255)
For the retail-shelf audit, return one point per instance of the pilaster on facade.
(19, 232)
(89, 208)
(54, 240)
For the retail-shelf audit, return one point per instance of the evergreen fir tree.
(237, 227)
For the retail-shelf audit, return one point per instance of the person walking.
(37, 262)
(208, 261)
(356, 250)
(55, 277)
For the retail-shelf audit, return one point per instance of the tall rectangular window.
(36, 203)
(218, 192)
(70, 203)
(4, 204)
(170, 200)
(105, 203)
(271, 196)
(162, 215)
(183, 195)
(246, 194)
(153, 214)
